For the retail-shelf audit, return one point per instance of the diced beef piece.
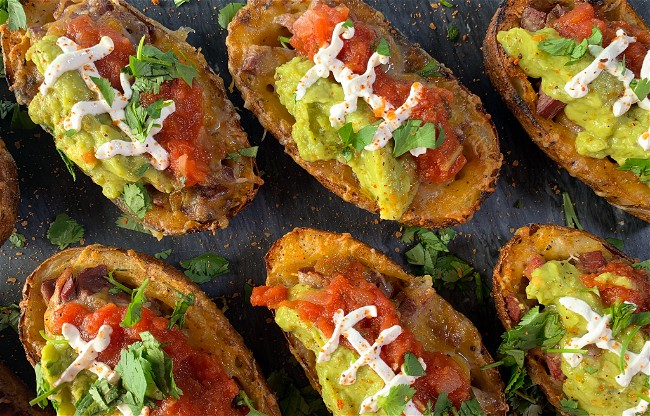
(532, 19)
(91, 280)
(68, 291)
(286, 20)
(47, 289)
(554, 364)
(591, 262)
(548, 107)
(534, 262)
(555, 13)
(514, 308)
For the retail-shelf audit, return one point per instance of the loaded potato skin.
(9, 193)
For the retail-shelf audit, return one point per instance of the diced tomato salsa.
(182, 128)
(313, 30)
(207, 389)
(577, 24)
(351, 291)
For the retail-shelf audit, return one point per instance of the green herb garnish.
(128, 223)
(205, 267)
(64, 231)
(9, 316)
(134, 310)
(17, 240)
(412, 366)
(242, 399)
(356, 141)
(180, 308)
(105, 89)
(413, 134)
(570, 217)
(136, 197)
(12, 12)
(227, 12)
(69, 164)
(395, 402)
(453, 33)
(641, 87)
(431, 69)
(640, 167)
(284, 41)
(383, 48)
(162, 255)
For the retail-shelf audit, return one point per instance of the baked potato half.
(441, 187)
(311, 274)
(9, 194)
(551, 125)
(211, 364)
(157, 140)
(14, 396)
(553, 277)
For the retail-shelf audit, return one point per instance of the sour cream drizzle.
(87, 353)
(359, 86)
(82, 60)
(606, 60)
(368, 355)
(599, 333)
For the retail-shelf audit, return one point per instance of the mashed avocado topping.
(592, 382)
(391, 182)
(51, 109)
(347, 399)
(603, 134)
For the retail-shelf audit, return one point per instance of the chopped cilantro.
(227, 12)
(412, 366)
(383, 48)
(413, 134)
(12, 12)
(117, 286)
(136, 197)
(568, 47)
(17, 240)
(431, 69)
(105, 89)
(395, 402)
(453, 33)
(179, 3)
(641, 87)
(570, 407)
(180, 308)
(616, 242)
(9, 316)
(348, 23)
(570, 217)
(296, 401)
(128, 223)
(141, 120)
(43, 389)
(134, 310)
(284, 41)
(6, 107)
(142, 169)
(100, 397)
(69, 164)
(639, 167)
(248, 151)
(64, 231)
(162, 255)
(242, 399)
(205, 267)
(446, 3)
(355, 141)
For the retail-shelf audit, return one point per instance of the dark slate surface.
(291, 198)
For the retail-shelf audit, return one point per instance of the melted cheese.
(87, 353)
(606, 61)
(599, 333)
(359, 86)
(368, 355)
(83, 60)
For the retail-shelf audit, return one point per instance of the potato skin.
(434, 322)
(224, 199)
(208, 329)
(552, 242)
(620, 188)
(9, 194)
(15, 396)
(435, 205)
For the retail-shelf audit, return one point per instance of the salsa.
(182, 128)
(207, 389)
(313, 30)
(351, 291)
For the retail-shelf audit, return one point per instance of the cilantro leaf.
(616, 242)
(570, 217)
(641, 87)
(294, 401)
(117, 286)
(14, 14)
(431, 69)
(557, 47)
(9, 316)
(453, 33)
(105, 89)
(412, 366)
(356, 140)
(136, 197)
(128, 223)
(446, 3)
(134, 310)
(163, 254)
(6, 107)
(413, 134)
(395, 402)
(141, 120)
(596, 37)
(64, 231)
(470, 408)
(227, 13)
(348, 23)
(98, 399)
(69, 164)
(383, 48)
(17, 240)
(151, 67)
(248, 151)
(570, 407)
(205, 267)
(179, 3)
(242, 399)
(43, 389)
(284, 41)
(640, 167)
(443, 405)
(181, 306)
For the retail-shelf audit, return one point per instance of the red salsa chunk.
(207, 389)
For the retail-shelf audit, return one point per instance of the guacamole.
(391, 182)
(347, 399)
(51, 109)
(592, 382)
(604, 134)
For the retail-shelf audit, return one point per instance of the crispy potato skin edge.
(620, 188)
(9, 193)
(208, 329)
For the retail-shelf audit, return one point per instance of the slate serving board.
(528, 191)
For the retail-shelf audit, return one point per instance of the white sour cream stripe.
(368, 355)
(606, 61)
(82, 60)
(359, 86)
(599, 333)
(87, 353)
